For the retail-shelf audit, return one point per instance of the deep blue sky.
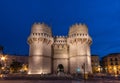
(101, 16)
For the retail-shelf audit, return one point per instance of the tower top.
(39, 24)
(40, 27)
(78, 28)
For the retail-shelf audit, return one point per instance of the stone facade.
(95, 62)
(10, 58)
(47, 52)
(111, 64)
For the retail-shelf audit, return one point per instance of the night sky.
(101, 16)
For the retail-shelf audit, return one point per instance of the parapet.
(60, 39)
(40, 27)
(43, 25)
(78, 28)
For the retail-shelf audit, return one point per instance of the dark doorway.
(60, 68)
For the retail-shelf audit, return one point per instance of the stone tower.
(79, 49)
(60, 53)
(40, 41)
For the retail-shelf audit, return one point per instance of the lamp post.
(84, 70)
(99, 69)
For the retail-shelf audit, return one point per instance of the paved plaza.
(59, 81)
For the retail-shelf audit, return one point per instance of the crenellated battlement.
(41, 32)
(60, 36)
(43, 25)
(42, 28)
(60, 40)
(79, 25)
(78, 29)
(60, 46)
(80, 40)
(40, 40)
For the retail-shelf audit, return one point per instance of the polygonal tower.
(40, 41)
(79, 43)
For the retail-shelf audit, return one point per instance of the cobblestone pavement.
(59, 81)
(98, 81)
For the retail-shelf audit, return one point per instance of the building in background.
(95, 62)
(7, 60)
(46, 52)
(111, 64)
(19, 58)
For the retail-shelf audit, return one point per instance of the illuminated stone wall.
(60, 53)
(95, 61)
(111, 64)
(47, 52)
(40, 41)
(79, 42)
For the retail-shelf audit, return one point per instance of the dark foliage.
(16, 66)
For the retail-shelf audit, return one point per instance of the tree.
(1, 47)
(0, 65)
(15, 66)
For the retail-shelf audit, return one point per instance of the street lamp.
(115, 71)
(99, 69)
(3, 62)
(3, 58)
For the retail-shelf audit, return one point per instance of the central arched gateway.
(60, 68)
